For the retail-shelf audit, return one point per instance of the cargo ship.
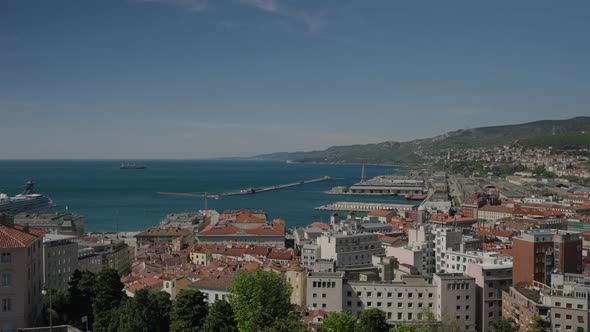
(131, 166)
(27, 201)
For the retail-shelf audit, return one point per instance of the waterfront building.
(53, 222)
(244, 227)
(181, 237)
(60, 260)
(389, 185)
(21, 276)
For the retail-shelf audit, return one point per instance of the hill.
(415, 150)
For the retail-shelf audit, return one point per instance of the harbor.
(277, 187)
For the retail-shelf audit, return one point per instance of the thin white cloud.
(190, 5)
(272, 6)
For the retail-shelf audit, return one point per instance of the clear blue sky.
(146, 79)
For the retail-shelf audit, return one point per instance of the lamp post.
(44, 292)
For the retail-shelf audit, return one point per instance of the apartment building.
(537, 253)
(349, 249)
(21, 276)
(405, 300)
(60, 260)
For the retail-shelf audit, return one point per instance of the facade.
(107, 254)
(349, 249)
(53, 223)
(60, 260)
(494, 212)
(21, 276)
(538, 253)
(404, 300)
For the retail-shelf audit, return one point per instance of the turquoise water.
(127, 200)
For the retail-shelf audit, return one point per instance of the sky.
(190, 79)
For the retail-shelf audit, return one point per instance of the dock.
(248, 191)
(364, 207)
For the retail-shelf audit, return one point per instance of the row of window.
(390, 294)
(580, 318)
(569, 305)
(324, 284)
(6, 257)
(400, 305)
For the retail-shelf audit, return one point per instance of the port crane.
(204, 195)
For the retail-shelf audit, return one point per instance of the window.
(349, 293)
(324, 295)
(568, 316)
(430, 305)
(378, 294)
(323, 305)
(557, 315)
(314, 295)
(467, 297)
(369, 294)
(429, 295)
(359, 304)
(568, 305)
(359, 293)
(315, 305)
(409, 316)
(5, 279)
(458, 297)
(389, 304)
(400, 295)
(458, 307)
(389, 294)
(558, 304)
(6, 257)
(420, 305)
(6, 305)
(491, 314)
(580, 306)
(369, 304)
(420, 295)
(378, 304)
(399, 316)
(400, 305)
(467, 307)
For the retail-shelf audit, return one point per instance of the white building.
(60, 260)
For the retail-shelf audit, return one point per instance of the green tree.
(339, 322)
(109, 294)
(80, 294)
(258, 298)
(189, 310)
(55, 305)
(220, 318)
(373, 320)
(290, 324)
(535, 326)
(145, 312)
(504, 325)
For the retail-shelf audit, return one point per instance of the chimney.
(6, 220)
(26, 227)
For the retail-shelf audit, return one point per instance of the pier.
(364, 207)
(277, 187)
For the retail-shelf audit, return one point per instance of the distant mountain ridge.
(413, 151)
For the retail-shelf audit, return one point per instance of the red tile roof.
(16, 237)
(381, 213)
(167, 232)
(243, 216)
(320, 225)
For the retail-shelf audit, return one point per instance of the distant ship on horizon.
(131, 166)
(27, 201)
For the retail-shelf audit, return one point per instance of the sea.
(111, 199)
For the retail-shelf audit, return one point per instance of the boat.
(27, 201)
(131, 166)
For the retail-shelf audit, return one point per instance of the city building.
(182, 237)
(60, 260)
(96, 254)
(538, 253)
(21, 276)
(448, 296)
(244, 228)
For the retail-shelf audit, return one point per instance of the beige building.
(405, 299)
(60, 260)
(21, 276)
